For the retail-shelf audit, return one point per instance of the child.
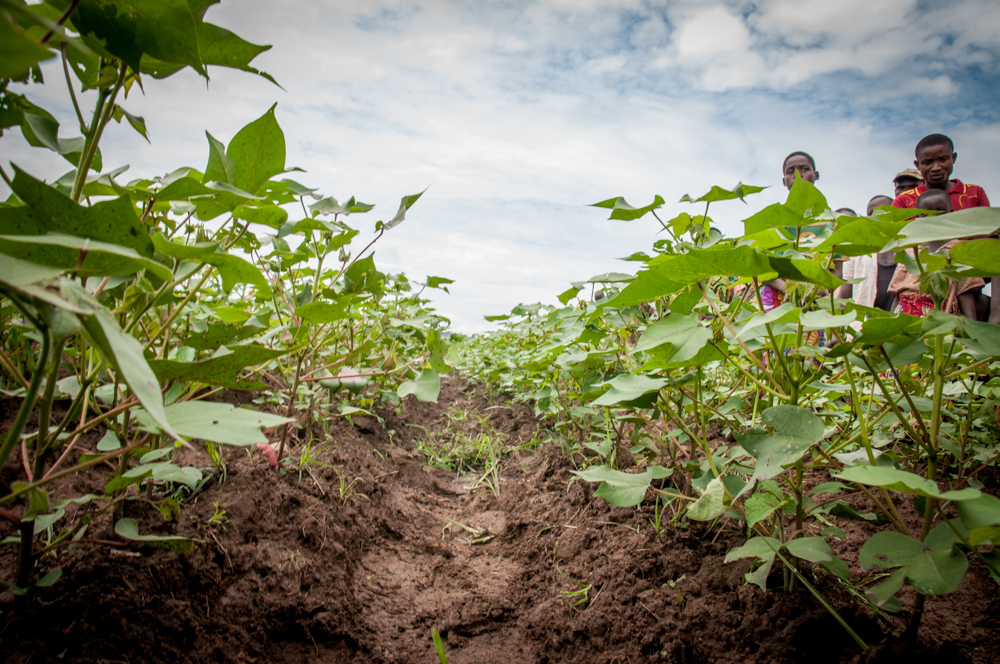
(801, 162)
(907, 286)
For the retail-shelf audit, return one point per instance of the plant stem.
(29, 400)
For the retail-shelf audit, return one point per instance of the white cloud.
(518, 116)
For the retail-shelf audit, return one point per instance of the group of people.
(886, 284)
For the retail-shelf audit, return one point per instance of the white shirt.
(863, 267)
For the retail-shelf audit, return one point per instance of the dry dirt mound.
(319, 570)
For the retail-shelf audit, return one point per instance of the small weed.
(439, 646)
(348, 490)
(219, 518)
(577, 597)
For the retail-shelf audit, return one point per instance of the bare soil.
(297, 571)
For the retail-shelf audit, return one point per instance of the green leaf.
(267, 215)
(860, 238)
(902, 481)
(786, 313)
(622, 489)
(763, 548)
(759, 507)
(17, 273)
(43, 131)
(46, 210)
(184, 189)
(882, 593)
(813, 549)
(984, 255)
(234, 270)
(426, 387)
(128, 529)
(221, 47)
(137, 123)
(52, 576)
(954, 225)
(806, 271)
(673, 329)
(711, 504)
(64, 251)
(622, 211)
(220, 370)
(797, 430)
(18, 53)
(404, 204)
(773, 216)
(980, 512)
(186, 252)
(217, 422)
(321, 313)
(716, 193)
(221, 166)
(125, 354)
(805, 197)
(258, 153)
(889, 549)
(568, 295)
(937, 572)
(820, 320)
(628, 388)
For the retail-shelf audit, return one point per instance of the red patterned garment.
(962, 196)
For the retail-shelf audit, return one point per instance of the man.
(906, 179)
(935, 159)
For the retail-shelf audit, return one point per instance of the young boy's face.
(905, 184)
(802, 165)
(935, 163)
(938, 204)
(878, 201)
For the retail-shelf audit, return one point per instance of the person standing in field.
(872, 291)
(906, 179)
(935, 160)
(913, 301)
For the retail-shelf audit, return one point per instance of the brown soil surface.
(297, 571)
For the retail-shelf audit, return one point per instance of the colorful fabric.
(963, 196)
(771, 297)
(915, 304)
(722, 287)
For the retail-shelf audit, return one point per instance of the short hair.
(879, 196)
(847, 211)
(812, 162)
(931, 140)
(933, 194)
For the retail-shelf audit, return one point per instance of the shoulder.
(907, 199)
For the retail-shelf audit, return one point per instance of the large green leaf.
(64, 251)
(627, 388)
(984, 255)
(223, 48)
(889, 549)
(805, 270)
(903, 481)
(671, 330)
(776, 215)
(217, 422)
(860, 238)
(163, 29)
(937, 572)
(43, 131)
(258, 153)
(223, 369)
(813, 549)
(47, 210)
(796, 430)
(220, 166)
(321, 313)
(18, 53)
(805, 197)
(426, 387)
(622, 489)
(234, 270)
(970, 222)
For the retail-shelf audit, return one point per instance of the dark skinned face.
(802, 165)
(905, 184)
(936, 163)
(877, 202)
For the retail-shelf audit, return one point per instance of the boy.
(906, 179)
(936, 158)
(801, 162)
(886, 261)
(907, 286)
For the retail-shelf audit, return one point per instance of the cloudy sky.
(518, 114)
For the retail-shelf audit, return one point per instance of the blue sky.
(518, 114)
